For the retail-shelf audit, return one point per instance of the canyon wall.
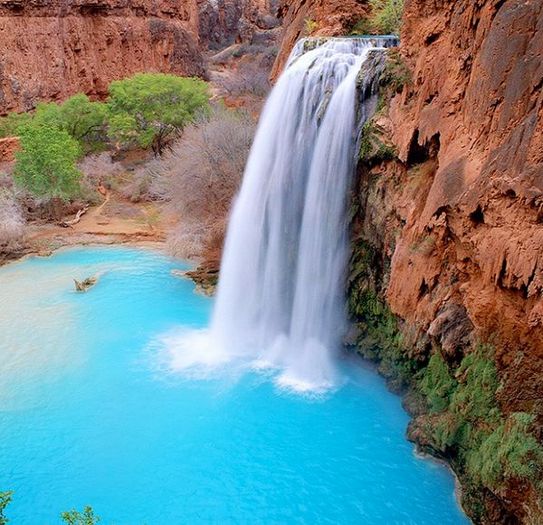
(52, 49)
(475, 104)
(225, 22)
(448, 240)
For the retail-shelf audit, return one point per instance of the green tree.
(46, 164)
(10, 124)
(82, 119)
(5, 500)
(149, 109)
(87, 517)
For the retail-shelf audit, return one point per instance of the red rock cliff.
(476, 106)
(455, 222)
(51, 49)
(223, 22)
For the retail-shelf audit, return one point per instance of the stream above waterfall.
(89, 414)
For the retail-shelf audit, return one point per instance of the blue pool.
(88, 415)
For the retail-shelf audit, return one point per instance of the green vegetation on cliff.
(382, 340)
(490, 446)
(385, 18)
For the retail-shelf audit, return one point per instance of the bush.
(10, 124)
(46, 164)
(385, 18)
(250, 78)
(200, 176)
(5, 500)
(87, 517)
(149, 109)
(72, 517)
(145, 183)
(310, 26)
(99, 168)
(12, 222)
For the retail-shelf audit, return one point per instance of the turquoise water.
(89, 414)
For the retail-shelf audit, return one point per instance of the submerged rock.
(86, 284)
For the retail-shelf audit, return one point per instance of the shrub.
(12, 222)
(149, 109)
(98, 170)
(5, 500)
(87, 517)
(201, 175)
(386, 16)
(310, 26)
(145, 183)
(46, 164)
(10, 124)
(250, 78)
(73, 517)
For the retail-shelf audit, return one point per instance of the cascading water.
(280, 297)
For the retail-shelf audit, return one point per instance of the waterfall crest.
(281, 292)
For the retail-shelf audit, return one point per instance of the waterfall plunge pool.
(89, 415)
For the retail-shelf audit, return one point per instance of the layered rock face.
(449, 216)
(319, 17)
(55, 48)
(225, 22)
(476, 106)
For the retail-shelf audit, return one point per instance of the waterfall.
(280, 297)
(280, 300)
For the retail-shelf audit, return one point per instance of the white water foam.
(280, 300)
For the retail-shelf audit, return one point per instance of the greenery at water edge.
(72, 517)
(468, 423)
(464, 422)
